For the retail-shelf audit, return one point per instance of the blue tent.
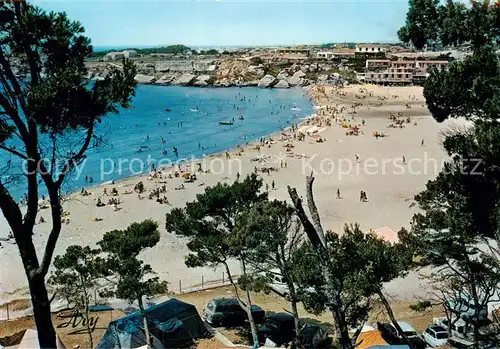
(172, 324)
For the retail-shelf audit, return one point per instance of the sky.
(233, 22)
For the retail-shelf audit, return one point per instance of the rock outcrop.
(166, 79)
(230, 71)
(203, 80)
(185, 79)
(323, 77)
(254, 70)
(282, 84)
(297, 82)
(282, 75)
(299, 74)
(267, 81)
(144, 79)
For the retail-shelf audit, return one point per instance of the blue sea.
(192, 126)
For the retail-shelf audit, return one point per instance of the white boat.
(295, 109)
(193, 110)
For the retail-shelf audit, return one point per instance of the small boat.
(225, 123)
(295, 108)
(193, 110)
(241, 117)
(168, 109)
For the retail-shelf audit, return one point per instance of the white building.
(370, 48)
(335, 53)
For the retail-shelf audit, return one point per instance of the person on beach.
(105, 191)
(237, 176)
(422, 143)
(272, 185)
(357, 158)
(267, 186)
(404, 160)
(338, 194)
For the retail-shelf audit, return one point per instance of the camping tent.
(369, 339)
(172, 324)
(30, 341)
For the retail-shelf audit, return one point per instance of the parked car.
(457, 328)
(228, 312)
(278, 285)
(435, 335)
(466, 309)
(280, 329)
(407, 329)
(391, 336)
(311, 336)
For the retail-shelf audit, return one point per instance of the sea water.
(191, 126)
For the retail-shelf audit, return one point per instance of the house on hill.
(371, 48)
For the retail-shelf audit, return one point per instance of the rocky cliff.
(229, 72)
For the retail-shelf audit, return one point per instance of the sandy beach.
(390, 169)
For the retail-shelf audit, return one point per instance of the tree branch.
(14, 116)
(10, 209)
(309, 228)
(77, 157)
(13, 152)
(13, 215)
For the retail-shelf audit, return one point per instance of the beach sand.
(389, 185)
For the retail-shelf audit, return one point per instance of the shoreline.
(388, 194)
(193, 159)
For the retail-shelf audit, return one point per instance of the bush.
(139, 187)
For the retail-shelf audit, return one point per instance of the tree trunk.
(86, 312)
(295, 313)
(332, 290)
(145, 322)
(253, 328)
(41, 312)
(248, 308)
(388, 308)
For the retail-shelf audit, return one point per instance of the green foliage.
(211, 52)
(421, 22)
(210, 221)
(461, 207)
(122, 248)
(360, 263)
(421, 306)
(75, 274)
(451, 23)
(139, 187)
(49, 104)
(75, 277)
(270, 233)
